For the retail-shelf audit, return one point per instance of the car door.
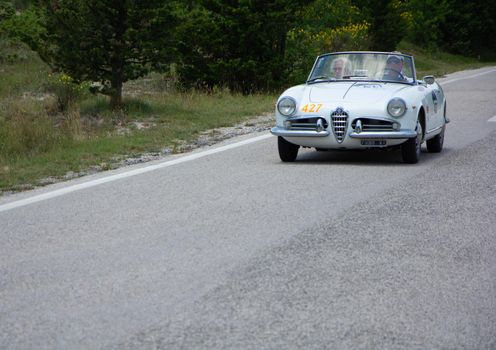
(435, 103)
(438, 102)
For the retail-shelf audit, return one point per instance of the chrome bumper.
(401, 134)
(298, 133)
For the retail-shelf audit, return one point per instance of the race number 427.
(311, 107)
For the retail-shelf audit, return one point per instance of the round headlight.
(396, 107)
(286, 106)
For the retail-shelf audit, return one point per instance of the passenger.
(339, 67)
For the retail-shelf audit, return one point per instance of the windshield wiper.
(354, 76)
(361, 78)
(324, 77)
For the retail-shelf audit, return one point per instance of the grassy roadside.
(150, 124)
(40, 141)
(439, 63)
(43, 137)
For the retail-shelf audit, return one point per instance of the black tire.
(287, 150)
(410, 150)
(435, 145)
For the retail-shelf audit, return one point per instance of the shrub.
(239, 45)
(305, 45)
(7, 10)
(67, 91)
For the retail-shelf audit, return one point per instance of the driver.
(394, 68)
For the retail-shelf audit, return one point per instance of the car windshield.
(369, 66)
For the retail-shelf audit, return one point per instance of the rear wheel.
(410, 150)
(287, 150)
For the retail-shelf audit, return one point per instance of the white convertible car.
(362, 100)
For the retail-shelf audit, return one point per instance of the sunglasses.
(393, 60)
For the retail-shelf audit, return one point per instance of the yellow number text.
(311, 107)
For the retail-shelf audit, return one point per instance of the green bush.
(387, 23)
(6, 11)
(424, 19)
(237, 45)
(305, 45)
(26, 26)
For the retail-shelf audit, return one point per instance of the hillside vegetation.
(87, 84)
(50, 132)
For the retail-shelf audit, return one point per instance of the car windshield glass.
(370, 66)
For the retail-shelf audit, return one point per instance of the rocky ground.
(206, 138)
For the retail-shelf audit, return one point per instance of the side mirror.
(429, 79)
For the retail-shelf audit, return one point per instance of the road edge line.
(469, 77)
(167, 163)
(130, 173)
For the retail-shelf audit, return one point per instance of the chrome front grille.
(307, 124)
(339, 122)
(373, 124)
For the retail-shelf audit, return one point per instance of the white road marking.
(92, 183)
(146, 169)
(469, 77)
(493, 119)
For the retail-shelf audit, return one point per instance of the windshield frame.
(406, 58)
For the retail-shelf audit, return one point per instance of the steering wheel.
(392, 70)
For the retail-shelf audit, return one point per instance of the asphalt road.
(228, 248)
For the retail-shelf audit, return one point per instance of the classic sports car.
(362, 100)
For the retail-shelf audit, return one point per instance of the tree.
(469, 28)
(323, 26)
(387, 25)
(23, 4)
(6, 11)
(426, 19)
(239, 44)
(109, 41)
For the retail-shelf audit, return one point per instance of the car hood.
(362, 92)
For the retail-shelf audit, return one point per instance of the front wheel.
(435, 145)
(287, 150)
(410, 150)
